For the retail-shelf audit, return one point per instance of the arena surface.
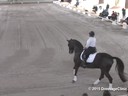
(34, 58)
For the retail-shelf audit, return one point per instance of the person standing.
(123, 13)
(107, 6)
(77, 3)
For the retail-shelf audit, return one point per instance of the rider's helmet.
(91, 34)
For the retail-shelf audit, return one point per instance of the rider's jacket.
(91, 42)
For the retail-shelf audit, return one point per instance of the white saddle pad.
(81, 56)
(91, 58)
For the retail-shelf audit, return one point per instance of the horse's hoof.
(73, 81)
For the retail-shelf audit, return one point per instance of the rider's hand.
(84, 48)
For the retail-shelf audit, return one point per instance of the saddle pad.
(81, 56)
(91, 58)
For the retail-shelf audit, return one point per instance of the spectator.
(100, 7)
(95, 9)
(123, 13)
(104, 14)
(107, 6)
(118, 17)
(77, 3)
(99, 10)
(126, 21)
(113, 16)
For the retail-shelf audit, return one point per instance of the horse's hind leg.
(109, 78)
(100, 78)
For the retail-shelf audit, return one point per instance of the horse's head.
(74, 45)
(70, 46)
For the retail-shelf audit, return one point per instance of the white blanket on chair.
(91, 58)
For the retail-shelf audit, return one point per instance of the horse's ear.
(70, 40)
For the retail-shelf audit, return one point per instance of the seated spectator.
(99, 10)
(113, 16)
(126, 21)
(104, 14)
(95, 9)
(86, 11)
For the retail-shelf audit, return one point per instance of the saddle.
(90, 59)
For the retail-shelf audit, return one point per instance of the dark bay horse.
(103, 61)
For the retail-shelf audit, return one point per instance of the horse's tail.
(120, 69)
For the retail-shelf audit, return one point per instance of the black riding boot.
(84, 57)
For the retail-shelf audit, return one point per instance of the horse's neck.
(78, 47)
(78, 50)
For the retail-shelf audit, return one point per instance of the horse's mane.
(78, 43)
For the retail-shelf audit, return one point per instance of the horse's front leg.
(75, 70)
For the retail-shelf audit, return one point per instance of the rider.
(90, 46)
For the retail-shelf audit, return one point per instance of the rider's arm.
(87, 44)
